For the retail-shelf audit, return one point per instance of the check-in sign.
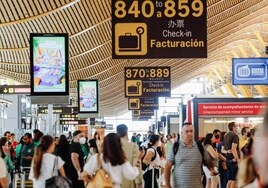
(159, 29)
(250, 71)
(143, 103)
(147, 82)
(143, 113)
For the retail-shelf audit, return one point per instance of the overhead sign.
(143, 103)
(70, 117)
(109, 127)
(15, 89)
(58, 110)
(148, 113)
(250, 71)
(140, 118)
(231, 108)
(159, 29)
(98, 124)
(75, 122)
(147, 82)
(142, 115)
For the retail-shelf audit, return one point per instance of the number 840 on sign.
(168, 8)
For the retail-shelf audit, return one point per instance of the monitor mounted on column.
(49, 64)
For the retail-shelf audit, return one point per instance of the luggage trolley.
(21, 178)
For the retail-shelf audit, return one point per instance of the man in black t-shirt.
(76, 159)
(231, 144)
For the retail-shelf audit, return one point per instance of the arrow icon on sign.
(5, 90)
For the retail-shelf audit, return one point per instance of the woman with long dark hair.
(94, 144)
(222, 161)
(3, 173)
(113, 161)
(152, 159)
(212, 181)
(43, 163)
(63, 150)
(6, 157)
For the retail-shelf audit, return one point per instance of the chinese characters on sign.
(159, 28)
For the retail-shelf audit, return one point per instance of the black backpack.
(176, 146)
(143, 165)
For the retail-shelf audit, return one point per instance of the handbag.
(224, 165)
(100, 179)
(58, 181)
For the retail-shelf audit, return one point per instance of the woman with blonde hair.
(43, 163)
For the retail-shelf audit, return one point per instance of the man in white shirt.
(3, 174)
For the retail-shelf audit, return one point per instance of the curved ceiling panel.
(237, 28)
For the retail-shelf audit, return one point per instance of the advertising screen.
(88, 96)
(49, 64)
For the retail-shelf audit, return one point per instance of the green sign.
(159, 29)
(15, 89)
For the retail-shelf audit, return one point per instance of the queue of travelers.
(220, 159)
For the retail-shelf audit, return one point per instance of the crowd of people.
(220, 159)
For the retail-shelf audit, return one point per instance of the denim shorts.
(232, 169)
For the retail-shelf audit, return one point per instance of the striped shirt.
(187, 166)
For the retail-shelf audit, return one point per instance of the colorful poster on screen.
(88, 96)
(49, 64)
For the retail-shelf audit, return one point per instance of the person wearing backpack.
(151, 161)
(187, 157)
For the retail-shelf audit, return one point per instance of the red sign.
(235, 108)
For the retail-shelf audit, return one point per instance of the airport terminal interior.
(68, 65)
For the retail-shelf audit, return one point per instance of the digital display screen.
(49, 64)
(88, 96)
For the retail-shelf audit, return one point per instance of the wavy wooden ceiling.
(236, 28)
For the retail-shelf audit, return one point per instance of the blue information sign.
(250, 71)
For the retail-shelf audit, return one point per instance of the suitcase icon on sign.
(134, 104)
(129, 42)
(134, 89)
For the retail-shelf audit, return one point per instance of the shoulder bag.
(58, 181)
(100, 178)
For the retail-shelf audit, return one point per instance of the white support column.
(49, 126)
